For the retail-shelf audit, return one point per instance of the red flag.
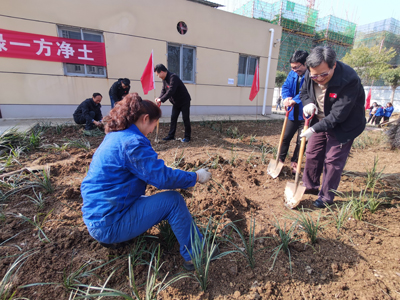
(368, 100)
(255, 87)
(147, 78)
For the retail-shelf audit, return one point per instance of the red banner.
(44, 47)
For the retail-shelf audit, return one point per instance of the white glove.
(308, 133)
(309, 109)
(203, 175)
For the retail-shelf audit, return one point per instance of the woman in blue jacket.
(387, 112)
(115, 208)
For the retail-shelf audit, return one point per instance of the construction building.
(385, 33)
(301, 27)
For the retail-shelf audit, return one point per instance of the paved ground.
(25, 124)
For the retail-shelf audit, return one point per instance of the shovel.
(156, 140)
(293, 191)
(275, 166)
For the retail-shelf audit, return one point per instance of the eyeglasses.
(296, 68)
(323, 75)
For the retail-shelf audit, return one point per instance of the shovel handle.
(288, 110)
(302, 147)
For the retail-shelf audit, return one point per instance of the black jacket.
(87, 106)
(344, 103)
(174, 90)
(117, 92)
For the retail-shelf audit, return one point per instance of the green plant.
(37, 224)
(34, 140)
(79, 143)
(233, 156)
(373, 176)
(248, 251)
(39, 201)
(357, 203)
(233, 132)
(167, 234)
(373, 203)
(215, 162)
(203, 251)
(94, 132)
(6, 282)
(249, 159)
(177, 160)
(341, 217)
(307, 224)
(284, 239)
(252, 139)
(45, 182)
(264, 152)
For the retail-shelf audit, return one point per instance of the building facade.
(214, 52)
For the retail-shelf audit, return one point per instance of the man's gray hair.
(321, 54)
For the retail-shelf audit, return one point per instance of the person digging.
(115, 208)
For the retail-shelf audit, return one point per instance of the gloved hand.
(309, 109)
(203, 175)
(308, 133)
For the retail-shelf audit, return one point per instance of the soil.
(361, 261)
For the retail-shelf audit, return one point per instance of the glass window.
(247, 68)
(77, 69)
(181, 61)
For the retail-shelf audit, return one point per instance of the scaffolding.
(302, 30)
(385, 33)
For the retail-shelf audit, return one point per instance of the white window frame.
(82, 31)
(181, 46)
(246, 84)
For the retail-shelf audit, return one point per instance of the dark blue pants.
(148, 211)
(291, 128)
(324, 152)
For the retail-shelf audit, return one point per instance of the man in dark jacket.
(89, 112)
(334, 92)
(119, 90)
(174, 90)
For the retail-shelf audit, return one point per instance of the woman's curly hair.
(127, 111)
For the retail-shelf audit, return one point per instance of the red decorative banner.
(44, 47)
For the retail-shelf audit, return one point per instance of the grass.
(368, 139)
(38, 200)
(177, 159)
(307, 224)
(233, 156)
(44, 183)
(167, 234)
(340, 218)
(81, 143)
(284, 238)
(373, 176)
(248, 251)
(233, 132)
(6, 283)
(37, 224)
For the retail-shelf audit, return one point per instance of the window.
(181, 61)
(247, 68)
(86, 35)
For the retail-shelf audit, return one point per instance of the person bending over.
(89, 112)
(119, 90)
(115, 208)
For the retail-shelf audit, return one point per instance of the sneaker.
(321, 204)
(185, 140)
(168, 138)
(188, 265)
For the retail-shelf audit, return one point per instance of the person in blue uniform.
(115, 208)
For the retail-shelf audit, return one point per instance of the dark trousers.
(85, 119)
(370, 118)
(377, 120)
(291, 128)
(112, 102)
(185, 109)
(324, 152)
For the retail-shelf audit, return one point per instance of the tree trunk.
(393, 91)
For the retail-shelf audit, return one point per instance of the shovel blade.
(274, 168)
(293, 194)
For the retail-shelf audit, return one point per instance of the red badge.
(333, 95)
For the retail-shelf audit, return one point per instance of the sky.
(360, 12)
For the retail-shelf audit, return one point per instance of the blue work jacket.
(388, 111)
(121, 168)
(379, 112)
(289, 90)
